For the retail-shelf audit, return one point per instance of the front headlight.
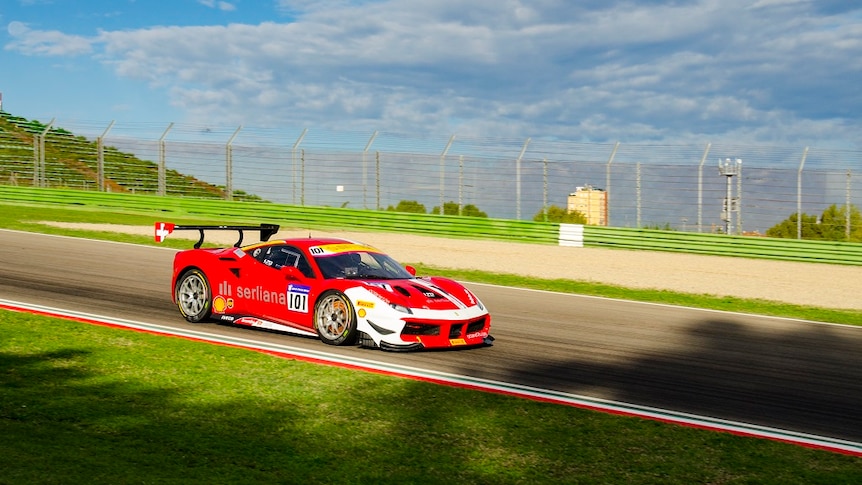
(401, 308)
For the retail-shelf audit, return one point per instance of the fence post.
(518, 179)
(229, 165)
(443, 171)
(461, 185)
(100, 157)
(162, 190)
(799, 194)
(302, 177)
(847, 207)
(293, 161)
(700, 188)
(36, 158)
(377, 179)
(608, 182)
(39, 156)
(545, 189)
(739, 199)
(365, 170)
(638, 192)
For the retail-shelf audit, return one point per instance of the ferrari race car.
(340, 291)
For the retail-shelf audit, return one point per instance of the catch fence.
(697, 187)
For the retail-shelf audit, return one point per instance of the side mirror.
(291, 273)
(411, 270)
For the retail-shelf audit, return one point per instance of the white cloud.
(224, 6)
(602, 69)
(46, 42)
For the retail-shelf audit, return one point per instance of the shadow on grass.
(63, 422)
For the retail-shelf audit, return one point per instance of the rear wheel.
(334, 319)
(194, 296)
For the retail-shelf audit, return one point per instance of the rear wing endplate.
(163, 229)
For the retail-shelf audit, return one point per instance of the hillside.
(71, 161)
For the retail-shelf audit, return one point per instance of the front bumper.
(418, 334)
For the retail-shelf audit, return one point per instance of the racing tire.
(194, 296)
(335, 319)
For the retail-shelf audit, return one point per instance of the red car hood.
(428, 293)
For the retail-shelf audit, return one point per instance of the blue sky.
(762, 71)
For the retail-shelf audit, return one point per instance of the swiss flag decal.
(162, 230)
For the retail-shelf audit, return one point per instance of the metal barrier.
(445, 226)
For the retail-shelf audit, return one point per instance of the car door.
(280, 281)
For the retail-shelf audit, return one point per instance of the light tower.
(729, 168)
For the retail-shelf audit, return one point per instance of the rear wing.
(162, 230)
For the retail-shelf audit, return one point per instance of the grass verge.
(86, 404)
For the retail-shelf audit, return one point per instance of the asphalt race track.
(793, 375)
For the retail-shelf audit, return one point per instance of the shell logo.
(220, 304)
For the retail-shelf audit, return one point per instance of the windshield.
(361, 265)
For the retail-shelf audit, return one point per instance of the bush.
(451, 209)
(411, 206)
(560, 215)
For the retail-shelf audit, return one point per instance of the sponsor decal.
(258, 293)
(221, 304)
(458, 341)
(477, 335)
(255, 293)
(297, 298)
(366, 304)
(261, 323)
(252, 322)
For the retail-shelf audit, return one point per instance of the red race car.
(343, 292)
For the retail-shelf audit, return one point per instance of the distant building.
(591, 202)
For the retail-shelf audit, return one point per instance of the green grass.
(81, 403)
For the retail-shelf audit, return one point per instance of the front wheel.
(193, 296)
(334, 319)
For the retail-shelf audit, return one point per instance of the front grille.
(456, 330)
(476, 325)
(416, 328)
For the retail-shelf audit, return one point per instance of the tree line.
(449, 208)
(830, 226)
(552, 214)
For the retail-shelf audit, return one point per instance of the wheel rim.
(333, 317)
(192, 295)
